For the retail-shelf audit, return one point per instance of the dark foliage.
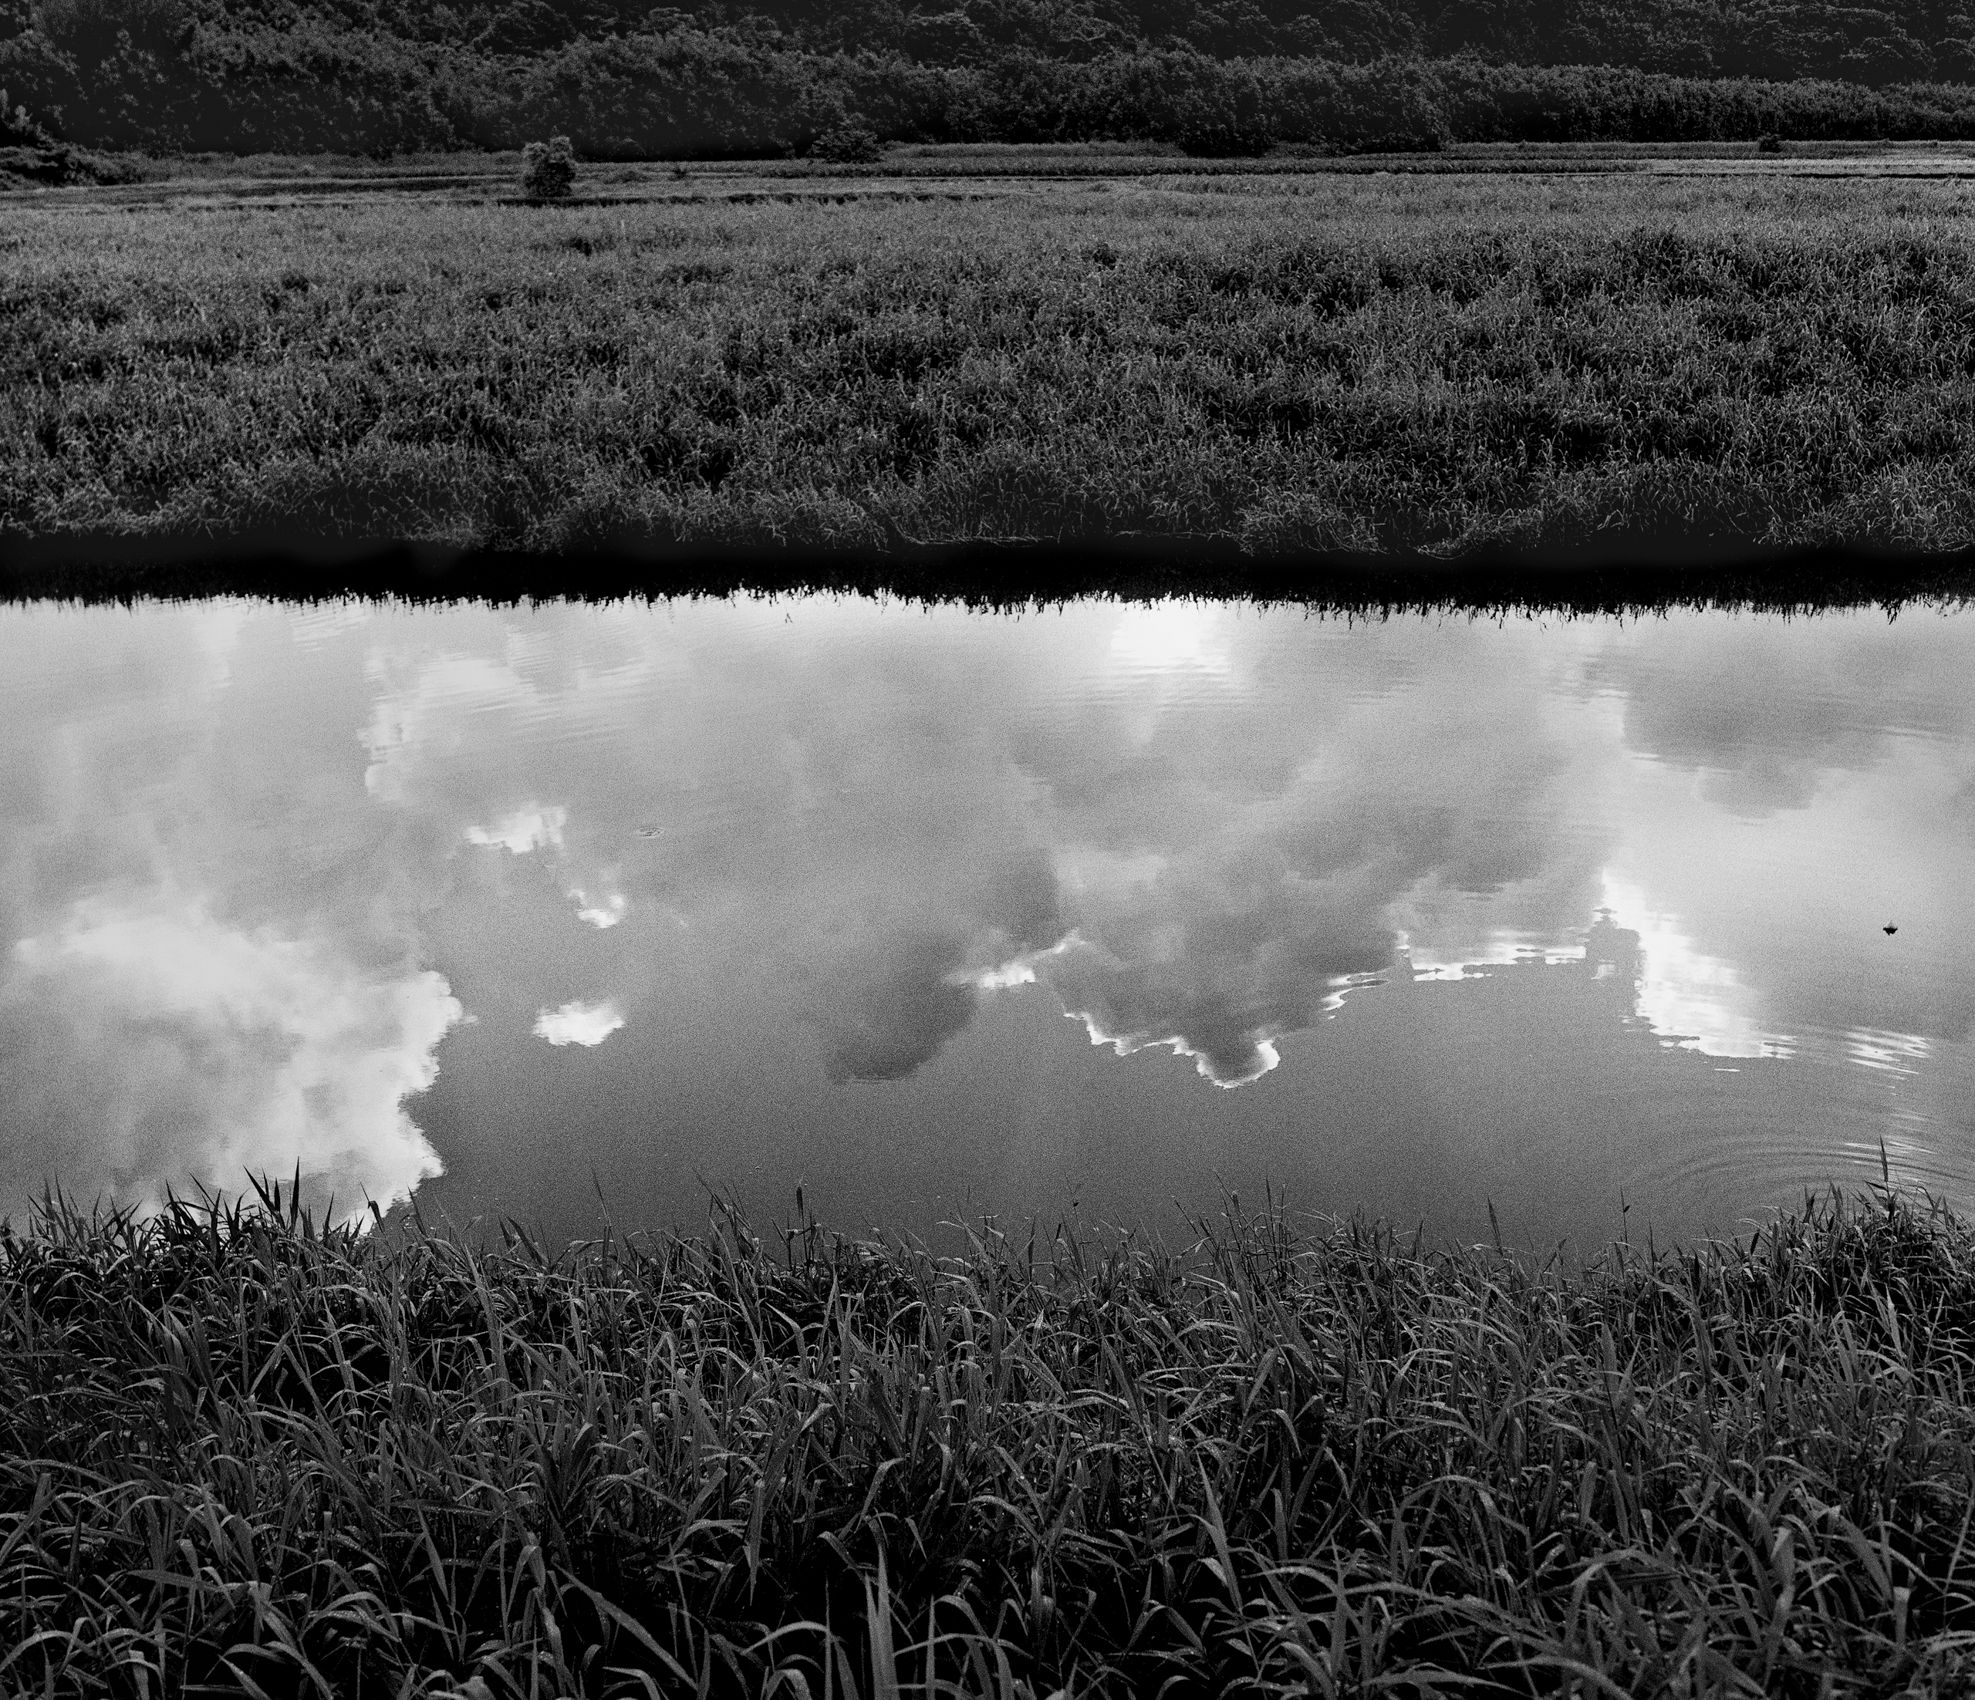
(847, 144)
(767, 77)
(56, 163)
(239, 1441)
(548, 169)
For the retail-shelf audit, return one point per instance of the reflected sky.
(573, 911)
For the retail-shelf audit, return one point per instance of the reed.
(1447, 363)
(243, 1451)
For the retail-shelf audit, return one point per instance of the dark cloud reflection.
(892, 1014)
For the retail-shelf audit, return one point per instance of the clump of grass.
(548, 169)
(244, 1451)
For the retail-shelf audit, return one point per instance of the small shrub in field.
(847, 144)
(548, 169)
(1769, 142)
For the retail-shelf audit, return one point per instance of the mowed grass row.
(1384, 362)
(241, 1453)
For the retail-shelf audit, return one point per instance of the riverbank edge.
(238, 1442)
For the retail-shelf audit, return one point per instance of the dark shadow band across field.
(1436, 354)
(239, 1447)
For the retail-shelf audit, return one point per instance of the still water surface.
(557, 911)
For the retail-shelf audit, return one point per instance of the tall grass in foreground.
(247, 1453)
(1439, 363)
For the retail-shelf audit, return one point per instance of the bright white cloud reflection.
(532, 828)
(607, 913)
(577, 1023)
(1691, 998)
(890, 834)
(1163, 636)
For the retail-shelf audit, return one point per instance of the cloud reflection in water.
(818, 870)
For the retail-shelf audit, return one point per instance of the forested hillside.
(769, 76)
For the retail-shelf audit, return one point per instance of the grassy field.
(243, 1454)
(955, 348)
(498, 173)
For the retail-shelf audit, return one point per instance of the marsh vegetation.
(243, 1452)
(1290, 360)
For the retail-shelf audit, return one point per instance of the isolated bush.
(548, 169)
(1769, 142)
(847, 144)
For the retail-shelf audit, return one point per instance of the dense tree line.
(1885, 42)
(740, 77)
